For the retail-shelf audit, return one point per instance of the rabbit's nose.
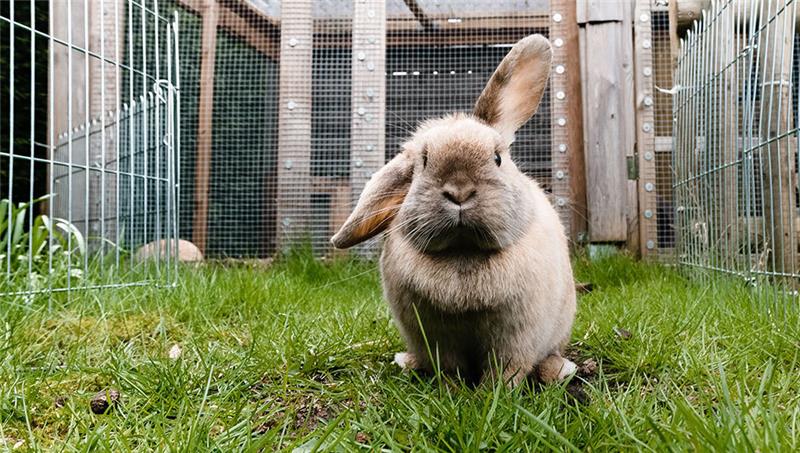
(458, 194)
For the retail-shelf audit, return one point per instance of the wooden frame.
(645, 127)
(568, 170)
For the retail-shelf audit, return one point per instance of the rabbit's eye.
(497, 159)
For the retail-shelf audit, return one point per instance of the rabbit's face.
(454, 187)
(465, 192)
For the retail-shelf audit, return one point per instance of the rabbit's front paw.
(406, 361)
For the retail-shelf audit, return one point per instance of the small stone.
(588, 368)
(103, 400)
(622, 333)
(175, 352)
(60, 401)
(362, 438)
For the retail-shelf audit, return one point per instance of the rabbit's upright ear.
(378, 203)
(513, 93)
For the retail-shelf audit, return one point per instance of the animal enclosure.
(735, 159)
(250, 127)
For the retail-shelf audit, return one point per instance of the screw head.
(649, 187)
(648, 214)
(648, 71)
(361, 56)
(286, 221)
(561, 95)
(651, 245)
(560, 69)
(361, 111)
(359, 163)
(646, 44)
(647, 127)
(558, 42)
(291, 105)
(644, 17)
(293, 42)
(560, 174)
(561, 202)
(557, 17)
(562, 148)
(562, 121)
(370, 66)
(648, 156)
(288, 164)
(648, 101)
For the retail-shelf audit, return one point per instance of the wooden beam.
(418, 13)
(242, 21)
(368, 102)
(208, 48)
(569, 173)
(294, 123)
(645, 128)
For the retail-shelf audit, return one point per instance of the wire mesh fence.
(88, 161)
(309, 98)
(735, 133)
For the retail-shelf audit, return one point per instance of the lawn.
(298, 355)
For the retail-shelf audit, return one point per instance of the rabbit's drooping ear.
(515, 89)
(378, 203)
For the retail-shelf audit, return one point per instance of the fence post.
(569, 170)
(645, 127)
(294, 123)
(205, 106)
(368, 117)
(775, 48)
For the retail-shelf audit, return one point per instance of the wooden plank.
(605, 150)
(567, 140)
(368, 117)
(628, 133)
(588, 11)
(645, 128)
(775, 60)
(294, 123)
(208, 50)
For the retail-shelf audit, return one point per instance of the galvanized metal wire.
(88, 166)
(735, 135)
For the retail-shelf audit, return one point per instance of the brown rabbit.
(475, 263)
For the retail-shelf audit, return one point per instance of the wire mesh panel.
(736, 144)
(300, 102)
(88, 152)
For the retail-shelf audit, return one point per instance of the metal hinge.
(633, 167)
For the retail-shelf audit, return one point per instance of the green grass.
(299, 355)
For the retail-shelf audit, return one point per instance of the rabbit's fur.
(475, 263)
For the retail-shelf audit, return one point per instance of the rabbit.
(475, 263)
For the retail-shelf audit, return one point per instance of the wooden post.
(294, 123)
(569, 173)
(208, 47)
(645, 127)
(777, 158)
(606, 129)
(368, 104)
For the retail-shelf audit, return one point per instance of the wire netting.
(88, 111)
(360, 107)
(736, 144)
